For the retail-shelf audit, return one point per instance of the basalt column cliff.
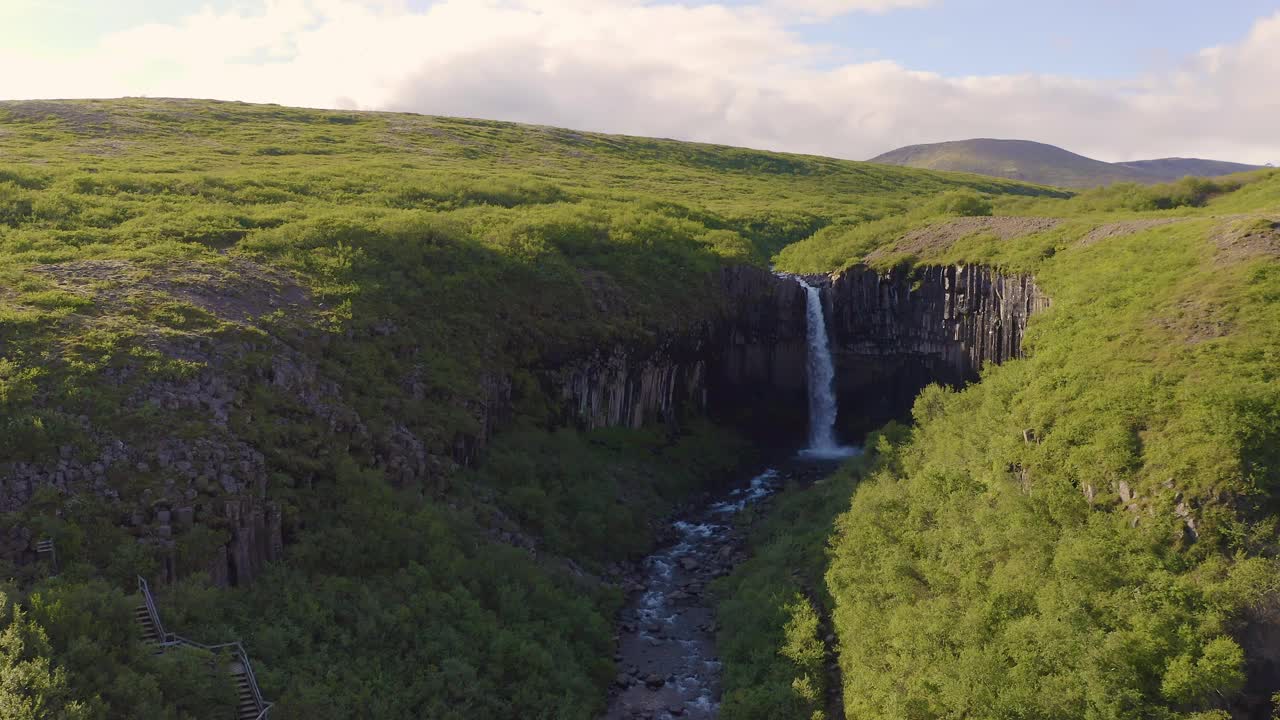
(891, 333)
(895, 332)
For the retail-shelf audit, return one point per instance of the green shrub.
(961, 202)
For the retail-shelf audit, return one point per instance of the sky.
(1113, 79)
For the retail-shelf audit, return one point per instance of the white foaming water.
(761, 485)
(822, 395)
(697, 531)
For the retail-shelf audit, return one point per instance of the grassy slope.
(1169, 376)
(1026, 551)
(147, 243)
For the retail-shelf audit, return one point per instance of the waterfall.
(822, 393)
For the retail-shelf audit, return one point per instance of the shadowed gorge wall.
(892, 333)
(746, 366)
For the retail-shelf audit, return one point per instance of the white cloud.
(832, 8)
(732, 74)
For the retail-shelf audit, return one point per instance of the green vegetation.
(1088, 532)
(358, 282)
(771, 607)
(75, 655)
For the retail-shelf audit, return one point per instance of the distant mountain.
(1047, 164)
(1174, 168)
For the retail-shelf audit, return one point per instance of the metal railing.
(173, 639)
(152, 612)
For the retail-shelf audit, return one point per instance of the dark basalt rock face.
(894, 332)
(891, 334)
(746, 366)
(759, 356)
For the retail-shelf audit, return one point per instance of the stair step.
(249, 707)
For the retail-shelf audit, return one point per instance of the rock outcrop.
(751, 355)
(891, 332)
(894, 332)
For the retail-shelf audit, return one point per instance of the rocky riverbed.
(667, 661)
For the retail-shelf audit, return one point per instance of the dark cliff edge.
(745, 366)
(894, 332)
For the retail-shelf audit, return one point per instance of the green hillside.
(358, 280)
(1049, 165)
(1089, 531)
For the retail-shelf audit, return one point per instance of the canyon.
(403, 403)
(891, 333)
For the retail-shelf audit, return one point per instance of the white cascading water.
(822, 395)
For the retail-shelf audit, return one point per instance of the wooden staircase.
(249, 702)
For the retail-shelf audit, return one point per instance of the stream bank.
(668, 665)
